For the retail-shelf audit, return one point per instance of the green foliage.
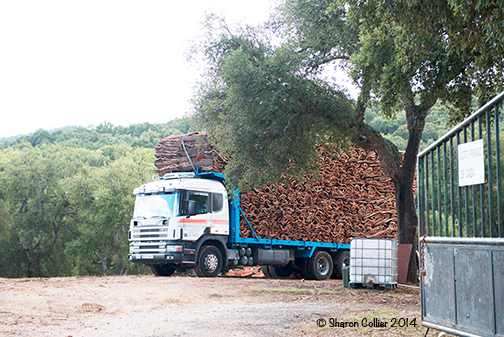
(396, 129)
(319, 35)
(428, 50)
(106, 192)
(264, 108)
(138, 135)
(39, 206)
(40, 137)
(66, 198)
(405, 56)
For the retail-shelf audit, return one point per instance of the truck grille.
(148, 240)
(147, 248)
(158, 236)
(149, 234)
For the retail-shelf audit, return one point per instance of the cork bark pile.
(351, 198)
(171, 154)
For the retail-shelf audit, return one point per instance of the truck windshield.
(147, 206)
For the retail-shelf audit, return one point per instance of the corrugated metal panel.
(463, 286)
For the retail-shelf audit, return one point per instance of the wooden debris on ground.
(246, 272)
(352, 198)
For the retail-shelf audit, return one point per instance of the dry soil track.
(191, 306)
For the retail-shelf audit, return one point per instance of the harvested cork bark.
(350, 199)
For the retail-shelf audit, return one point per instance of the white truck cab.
(173, 213)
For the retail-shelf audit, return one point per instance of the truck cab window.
(218, 201)
(155, 205)
(201, 198)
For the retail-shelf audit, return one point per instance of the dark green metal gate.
(461, 228)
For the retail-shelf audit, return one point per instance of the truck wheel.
(162, 270)
(209, 263)
(341, 259)
(318, 267)
(276, 272)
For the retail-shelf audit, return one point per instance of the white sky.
(72, 62)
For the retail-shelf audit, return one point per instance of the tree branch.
(289, 122)
(370, 139)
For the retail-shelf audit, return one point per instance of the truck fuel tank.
(274, 257)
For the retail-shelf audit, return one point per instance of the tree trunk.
(402, 172)
(30, 263)
(104, 262)
(405, 202)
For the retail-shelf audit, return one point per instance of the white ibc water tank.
(373, 262)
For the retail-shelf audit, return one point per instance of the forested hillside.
(397, 131)
(66, 197)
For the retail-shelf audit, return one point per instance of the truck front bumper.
(156, 258)
(162, 252)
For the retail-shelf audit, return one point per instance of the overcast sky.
(85, 62)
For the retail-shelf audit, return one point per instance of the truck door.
(196, 225)
(220, 214)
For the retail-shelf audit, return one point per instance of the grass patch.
(294, 291)
(304, 291)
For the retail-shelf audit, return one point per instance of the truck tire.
(276, 272)
(318, 267)
(209, 263)
(162, 270)
(341, 259)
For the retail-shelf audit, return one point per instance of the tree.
(40, 212)
(267, 109)
(413, 53)
(147, 139)
(40, 137)
(66, 198)
(106, 194)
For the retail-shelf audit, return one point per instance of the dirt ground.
(192, 306)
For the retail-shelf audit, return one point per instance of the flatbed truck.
(187, 220)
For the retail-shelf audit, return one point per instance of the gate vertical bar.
(481, 187)
(452, 189)
(497, 171)
(445, 189)
(466, 194)
(490, 178)
(433, 195)
(426, 199)
(473, 188)
(440, 212)
(459, 194)
(421, 195)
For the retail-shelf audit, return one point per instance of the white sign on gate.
(471, 163)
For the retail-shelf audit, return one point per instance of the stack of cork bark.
(172, 154)
(351, 198)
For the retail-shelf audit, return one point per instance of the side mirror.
(192, 208)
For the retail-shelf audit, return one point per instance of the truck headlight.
(173, 249)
